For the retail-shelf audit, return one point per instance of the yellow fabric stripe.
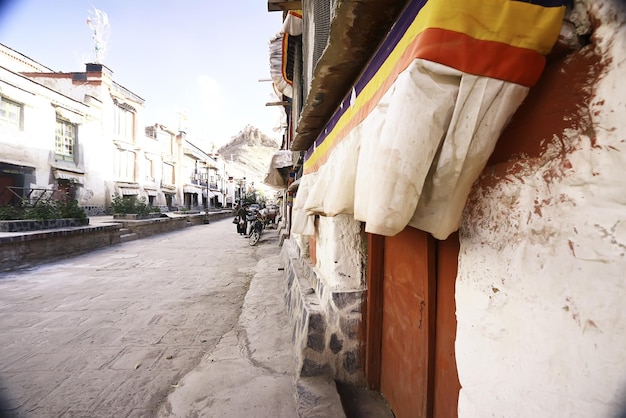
(515, 23)
(366, 94)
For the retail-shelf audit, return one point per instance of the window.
(149, 170)
(124, 123)
(125, 165)
(168, 145)
(65, 140)
(168, 174)
(10, 113)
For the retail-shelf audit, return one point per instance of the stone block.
(345, 299)
(311, 368)
(336, 344)
(351, 361)
(317, 323)
(316, 342)
(350, 327)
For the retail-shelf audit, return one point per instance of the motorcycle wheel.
(254, 237)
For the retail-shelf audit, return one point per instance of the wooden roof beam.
(283, 5)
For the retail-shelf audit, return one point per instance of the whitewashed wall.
(339, 251)
(541, 288)
(33, 145)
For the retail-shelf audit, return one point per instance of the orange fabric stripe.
(285, 58)
(460, 51)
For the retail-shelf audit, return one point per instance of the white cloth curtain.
(293, 24)
(280, 159)
(281, 86)
(413, 160)
(303, 222)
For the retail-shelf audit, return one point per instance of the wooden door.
(410, 323)
(447, 386)
(6, 197)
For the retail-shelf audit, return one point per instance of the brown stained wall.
(312, 250)
(557, 102)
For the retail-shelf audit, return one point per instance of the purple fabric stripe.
(546, 3)
(396, 33)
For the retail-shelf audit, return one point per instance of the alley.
(184, 324)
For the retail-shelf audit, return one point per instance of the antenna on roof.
(98, 21)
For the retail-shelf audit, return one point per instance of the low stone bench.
(26, 249)
(27, 225)
(28, 244)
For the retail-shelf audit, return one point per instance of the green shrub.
(44, 210)
(10, 213)
(70, 209)
(131, 205)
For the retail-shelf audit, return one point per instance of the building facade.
(84, 132)
(456, 234)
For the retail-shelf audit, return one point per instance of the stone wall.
(28, 249)
(96, 210)
(37, 225)
(146, 227)
(326, 323)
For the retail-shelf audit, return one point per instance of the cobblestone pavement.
(184, 324)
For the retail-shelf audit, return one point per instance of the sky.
(200, 58)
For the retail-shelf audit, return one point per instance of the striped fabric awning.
(422, 119)
(192, 189)
(504, 39)
(128, 192)
(68, 175)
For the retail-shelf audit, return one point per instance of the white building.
(85, 132)
(48, 138)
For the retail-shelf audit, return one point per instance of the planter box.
(135, 217)
(186, 212)
(26, 225)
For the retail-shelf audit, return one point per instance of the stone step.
(127, 235)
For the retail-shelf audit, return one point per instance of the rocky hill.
(250, 152)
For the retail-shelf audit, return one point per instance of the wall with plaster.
(541, 285)
(340, 252)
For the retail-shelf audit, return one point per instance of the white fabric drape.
(280, 159)
(303, 222)
(293, 24)
(281, 85)
(413, 160)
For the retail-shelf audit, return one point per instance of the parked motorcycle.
(258, 225)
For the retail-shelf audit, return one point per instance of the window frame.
(63, 141)
(168, 175)
(5, 104)
(124, 123)
(126, 165)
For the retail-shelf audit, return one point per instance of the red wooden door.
(413, 364)
(447, 384)
(407, 325)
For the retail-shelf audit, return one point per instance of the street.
(184, 324)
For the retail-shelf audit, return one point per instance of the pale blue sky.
(205, 57)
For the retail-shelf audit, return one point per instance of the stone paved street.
(186, 324)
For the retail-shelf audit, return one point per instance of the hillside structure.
(83, 132)
(455, 227)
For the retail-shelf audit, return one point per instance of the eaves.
(356, 31)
